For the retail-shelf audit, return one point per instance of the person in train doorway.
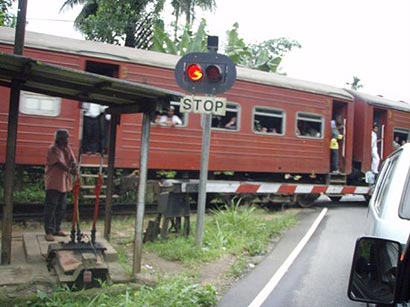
(93, 138)
(336, 136)
(60, 166)
(104, 131)
(375, 151)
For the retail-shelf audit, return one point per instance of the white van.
(390, 201)
(380, 271)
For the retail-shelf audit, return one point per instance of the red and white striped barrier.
(237, 187)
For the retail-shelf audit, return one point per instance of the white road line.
(264, 293)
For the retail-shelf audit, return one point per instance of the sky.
(369, 39)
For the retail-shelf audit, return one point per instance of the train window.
(400, 136)
(38, 104)
(229, 121)
(171, 116)
(309, 125)
(267, 120)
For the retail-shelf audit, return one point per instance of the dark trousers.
(54, 210)
(334, 159)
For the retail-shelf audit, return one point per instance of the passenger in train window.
(313, 133)
(375, 150)
(60, 166)
(231, 124)
(171, 119)
(264, 130)
(396, 142)
(157, 118)
(216, 121)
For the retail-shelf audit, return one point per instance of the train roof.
(145, 57)
(381, 101)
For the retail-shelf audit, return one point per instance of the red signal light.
(214, 73)
(194, 72)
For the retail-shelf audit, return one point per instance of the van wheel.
(306, 200)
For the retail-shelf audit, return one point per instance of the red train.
(282, 132)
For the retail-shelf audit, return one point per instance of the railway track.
(22, 212)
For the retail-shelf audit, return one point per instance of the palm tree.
(187, 7)
(90, 8)
(97, 20)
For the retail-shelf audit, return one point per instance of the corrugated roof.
(54, 80)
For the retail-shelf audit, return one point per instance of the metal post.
(110, 175)
(12, 140)
(203, 174)
(142, 182)
(203, 177)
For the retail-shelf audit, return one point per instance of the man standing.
(334, 147)
(60, 166)
(375, 154)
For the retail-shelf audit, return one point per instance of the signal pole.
(203, 173)
(209, 73)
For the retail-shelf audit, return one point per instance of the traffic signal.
(205, 72)
(194, 72)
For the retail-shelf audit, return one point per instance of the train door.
(95, 121)
(339, 115)
(380, 119)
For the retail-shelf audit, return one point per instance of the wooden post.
(12, 140)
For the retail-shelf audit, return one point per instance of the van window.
(404, 210)
(231, 119)
(38, 104)
(384, 185)
(309, 125)
(266, 120)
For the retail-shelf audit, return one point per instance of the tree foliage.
(138, 23)
(122, 22)
(265, 56)
(185, 43)
(187, 8)
(131, 22)
(6, 18)
(355, 85)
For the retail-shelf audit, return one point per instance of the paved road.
(319, 274)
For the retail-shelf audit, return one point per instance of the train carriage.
(392, 118)
(281, 134)
(295, 113)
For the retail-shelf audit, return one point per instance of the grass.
(179, 291)
(237, 230)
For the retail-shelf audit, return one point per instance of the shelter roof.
(120, 95)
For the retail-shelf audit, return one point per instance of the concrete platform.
(28, 261)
